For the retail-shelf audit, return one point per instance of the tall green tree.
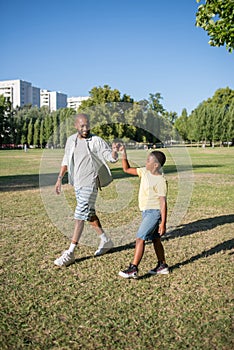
(154, 103)
(222, 97)
(36, 133)
(42, 138)
(7, 128)
(181, 125)
(216, 17)
(103, 95)
(55, 120)
(30, 133)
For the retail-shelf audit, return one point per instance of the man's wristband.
(60, 177)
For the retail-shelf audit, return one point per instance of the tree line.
(113, 116)
(211, 122)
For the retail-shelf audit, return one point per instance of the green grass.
(87, 306)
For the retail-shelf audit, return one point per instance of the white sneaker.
(104, 247)
(66, 259)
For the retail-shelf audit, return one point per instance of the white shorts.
(86, 199)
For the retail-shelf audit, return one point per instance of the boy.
(153, 205)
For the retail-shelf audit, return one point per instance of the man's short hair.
(82, 115)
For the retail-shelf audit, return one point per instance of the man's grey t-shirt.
(84, 171)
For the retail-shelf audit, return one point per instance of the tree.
(181, 125)
(6, 121)
(30, 133)
(36, 133)
(55, 120)
(42, 134)
(222, 97)
(155, 104)
(103, 95)
(216, 17)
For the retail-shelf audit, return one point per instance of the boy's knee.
(140, 241)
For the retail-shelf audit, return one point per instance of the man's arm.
(58, 184)
(163, 209)
(125, 164)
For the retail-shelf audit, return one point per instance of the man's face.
(82, 126)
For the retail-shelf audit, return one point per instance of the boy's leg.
(161, 267)
(139, 251)
(132, 270)
(159, 250)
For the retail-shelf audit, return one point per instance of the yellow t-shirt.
(151, 188)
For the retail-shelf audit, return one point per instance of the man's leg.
(67, 258)
(96, 224)
(78, 229)
(106, 244)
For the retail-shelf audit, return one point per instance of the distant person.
(84, 159)
(153, 205)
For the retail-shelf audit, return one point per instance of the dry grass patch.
(88, 306)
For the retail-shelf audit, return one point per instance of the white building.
(57, 100)
(75, 102)
(20, 93)
(45, 98)
(53, 99)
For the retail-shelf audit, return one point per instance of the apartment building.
(20, 92)
(53, 100)
(75, 102)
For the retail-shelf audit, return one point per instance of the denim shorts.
(148, 229)
(86, 199)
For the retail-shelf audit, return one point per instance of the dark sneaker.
(130, 272)
(160, 269)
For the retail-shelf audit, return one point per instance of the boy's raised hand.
(122, 149)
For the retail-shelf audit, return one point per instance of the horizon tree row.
(113, 116)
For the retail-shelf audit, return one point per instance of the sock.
(72, 247)
(103, 237)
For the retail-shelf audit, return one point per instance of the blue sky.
(138, 47)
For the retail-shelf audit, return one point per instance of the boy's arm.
(163, 209)
(125, 164)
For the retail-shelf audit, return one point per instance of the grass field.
(87, 305)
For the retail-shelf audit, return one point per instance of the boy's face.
(151, 163)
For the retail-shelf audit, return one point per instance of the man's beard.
(84, 135)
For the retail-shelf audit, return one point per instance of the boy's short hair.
(160, 157)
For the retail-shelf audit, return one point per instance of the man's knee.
(93, 219)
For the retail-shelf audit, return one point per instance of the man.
(84, 159)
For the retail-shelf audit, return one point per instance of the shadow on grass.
(112, 251)
(28, 182)
(185, 230)
(199, 225)
(33, 181)
(227, 245)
